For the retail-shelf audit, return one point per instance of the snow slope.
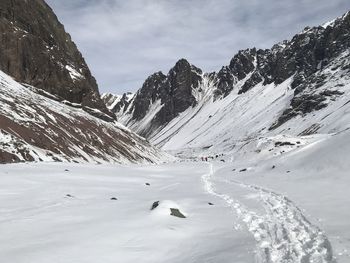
(40, 223)
(38, 128)
(226, 125)
(278, 208)
(304, 194)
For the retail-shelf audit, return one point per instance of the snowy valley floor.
(294, 208)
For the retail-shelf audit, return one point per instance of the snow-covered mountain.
(298, 87)
(268, 136)
(57, 115)
(37, 128)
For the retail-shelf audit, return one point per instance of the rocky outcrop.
(35, 49)
(176, 94)
(164, 95)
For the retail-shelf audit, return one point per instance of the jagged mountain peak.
(337, 21)
(155, 78)
(161, 97)
(158, 74)
(183, 65)
(299, 69)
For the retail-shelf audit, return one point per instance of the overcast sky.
(124, 41)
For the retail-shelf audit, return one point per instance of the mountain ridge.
(303, 67)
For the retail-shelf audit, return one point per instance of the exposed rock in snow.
(117, 104)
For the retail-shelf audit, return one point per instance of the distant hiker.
(206, 159)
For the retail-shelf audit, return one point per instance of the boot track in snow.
(283, 234)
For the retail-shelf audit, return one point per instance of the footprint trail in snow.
(283, 234)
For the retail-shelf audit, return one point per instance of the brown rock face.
(35, 49)
(36, 128)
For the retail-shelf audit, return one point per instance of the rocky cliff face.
(161, 98)
(35, 49)
(304, 60)
(173, 92)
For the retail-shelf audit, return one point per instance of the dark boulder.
(176, 212)
(155, 205)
